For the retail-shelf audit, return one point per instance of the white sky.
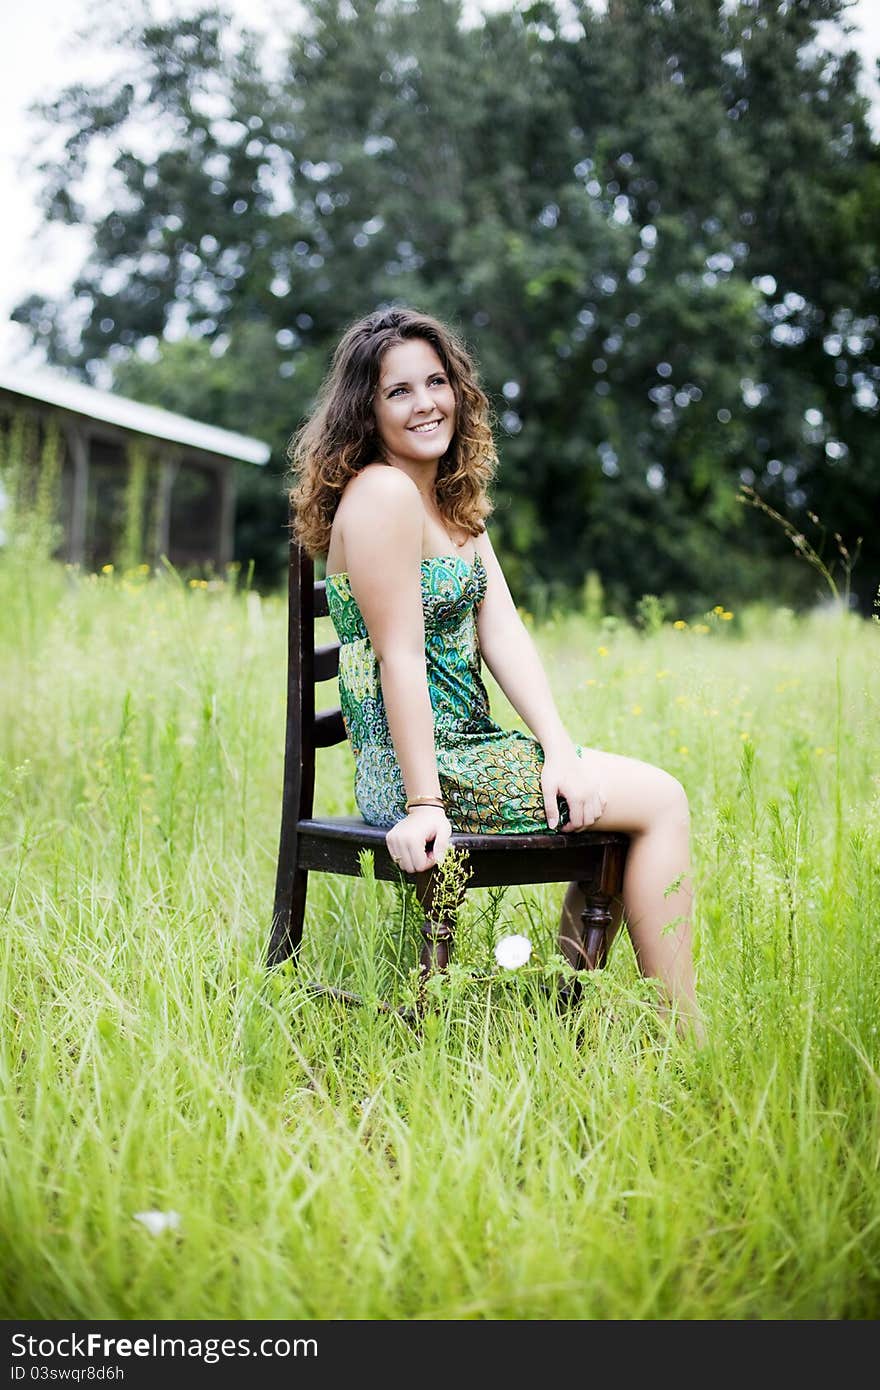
(40, 53)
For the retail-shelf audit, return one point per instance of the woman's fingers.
(551, 807)
(419, 841)
(440, 845)
(399, 850)
(585, 811)
(598, 804)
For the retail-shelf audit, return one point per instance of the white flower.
(158, 1221)
(513, 951)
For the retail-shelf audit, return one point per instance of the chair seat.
(333, 846)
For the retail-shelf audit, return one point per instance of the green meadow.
(503, 1159)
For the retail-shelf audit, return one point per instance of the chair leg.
(591, 934)
(438, 931)
(287, 924)
(595, 926)
(588, 940)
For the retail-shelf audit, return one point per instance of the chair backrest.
(307, 665)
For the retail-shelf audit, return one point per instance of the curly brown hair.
(340, 436)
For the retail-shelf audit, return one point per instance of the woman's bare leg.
(651, 806)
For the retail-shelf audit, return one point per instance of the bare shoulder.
(485, 550)
(498, 602)
(483, 544)
(379, 485)
(380, 517)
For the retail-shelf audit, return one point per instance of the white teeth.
(426, 428)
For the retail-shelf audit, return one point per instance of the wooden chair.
(594, 859)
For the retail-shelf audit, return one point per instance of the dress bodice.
(450, 588)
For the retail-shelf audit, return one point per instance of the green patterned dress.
(490, 777)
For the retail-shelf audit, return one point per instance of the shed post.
(168, 466)
(225, 525)
(77, 442)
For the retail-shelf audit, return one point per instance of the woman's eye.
(435, 381)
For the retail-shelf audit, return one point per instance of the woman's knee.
(665, 799)
(640, 796)
(672, 799)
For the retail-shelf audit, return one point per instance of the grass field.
(505, 1161)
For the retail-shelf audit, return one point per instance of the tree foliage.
(655, 225)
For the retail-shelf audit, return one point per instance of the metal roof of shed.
(132, 415)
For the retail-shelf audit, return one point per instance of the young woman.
(391, 478)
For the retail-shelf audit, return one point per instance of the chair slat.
(329, 728)
(327, 662)
(321, 609)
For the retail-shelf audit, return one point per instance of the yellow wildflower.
(726, 616)
(603, 651)
(679, 624)
(106, 569)
(701, 627)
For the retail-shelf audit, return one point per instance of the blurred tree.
(732, 137)
(654, 225)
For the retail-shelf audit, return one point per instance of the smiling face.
(414, 405)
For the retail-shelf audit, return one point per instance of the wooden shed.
(130, 474)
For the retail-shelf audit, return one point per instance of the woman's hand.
(420, 840)
(566, 775)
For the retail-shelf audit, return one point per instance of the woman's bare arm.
(513, 659)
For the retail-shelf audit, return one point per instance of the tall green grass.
(505, 1160)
